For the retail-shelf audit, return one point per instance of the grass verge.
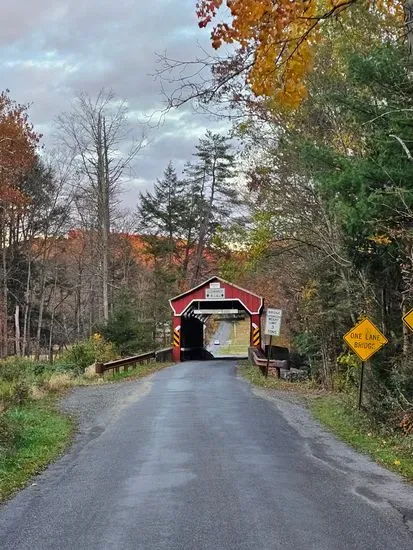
(34, 433)
(41, 434)
(253, 375)
(238, 341)
(386, 446)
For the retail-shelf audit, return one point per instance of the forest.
(306, 198)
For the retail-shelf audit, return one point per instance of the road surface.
(195, 459)
(223, 334)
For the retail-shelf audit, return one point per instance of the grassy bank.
(253, 375)
(388, 447)
(31, 436)
(238, 341)
(32, 431)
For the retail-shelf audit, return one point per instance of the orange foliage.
(279, 36)
(17, 149)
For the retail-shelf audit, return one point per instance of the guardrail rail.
(159, 356)
(258, 358)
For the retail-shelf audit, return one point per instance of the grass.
(388, 447)
(239, 339)
(253, 374)
(42, 435)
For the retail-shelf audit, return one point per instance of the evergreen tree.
(161, 215)
(211, 176)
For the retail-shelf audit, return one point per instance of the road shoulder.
(372, 481)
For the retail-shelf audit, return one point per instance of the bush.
(83, 354)
(59, 381)
(9, 435)
(123, 328)
(16, 368)
(13, 393)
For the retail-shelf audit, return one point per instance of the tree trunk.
(204, 227)
(17, 329)
(105, 216)
(408, 21)
(40, 319)
(27, 299)
(5, 298)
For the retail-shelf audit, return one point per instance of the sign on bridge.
(215, 293)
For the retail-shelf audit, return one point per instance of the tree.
(93, 133)
(162, 219)
(212, 177)
(276, 40)
(161, 215)
(124, 329)
(18, 142)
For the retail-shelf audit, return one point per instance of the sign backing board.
(408, 319)
(365, 339)
(215, 293)
(273, 321)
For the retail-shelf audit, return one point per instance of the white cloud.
(52, 49)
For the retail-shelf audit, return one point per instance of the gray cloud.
(52, 49)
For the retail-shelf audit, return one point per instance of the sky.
(50, 50)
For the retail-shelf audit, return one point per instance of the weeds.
(30, 437)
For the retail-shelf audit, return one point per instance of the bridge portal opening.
(220, 299)
(228, 336)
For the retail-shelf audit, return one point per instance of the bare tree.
(95, 133)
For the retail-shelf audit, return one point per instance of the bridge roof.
(215, 290)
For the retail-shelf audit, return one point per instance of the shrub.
(6, 395)
(13, 393)
(20, 392)
(59, 381)
(16, 368)
(126, 331)
(83, 354)
(9, 435)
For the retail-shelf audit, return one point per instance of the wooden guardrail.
(257, 357)
(159, 356)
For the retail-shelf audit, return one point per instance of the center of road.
(196, 460)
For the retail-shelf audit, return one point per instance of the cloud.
(52, 49)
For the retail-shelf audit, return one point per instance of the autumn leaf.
(280, 37)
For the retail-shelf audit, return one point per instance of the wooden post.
(361, 385)
(268, 358)
(99, 368)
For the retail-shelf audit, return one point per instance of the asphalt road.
(194, 459)
(223, 334)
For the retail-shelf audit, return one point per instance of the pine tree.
(212, 181)
(161, 215)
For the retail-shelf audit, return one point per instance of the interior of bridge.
(198, 343)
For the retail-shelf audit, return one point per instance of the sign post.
(365, 340)
(272, 328)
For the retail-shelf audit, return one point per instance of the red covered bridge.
(212, 297)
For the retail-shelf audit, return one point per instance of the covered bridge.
(212, 297)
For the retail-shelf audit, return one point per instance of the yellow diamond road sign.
(365, 339)
(408, 319)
